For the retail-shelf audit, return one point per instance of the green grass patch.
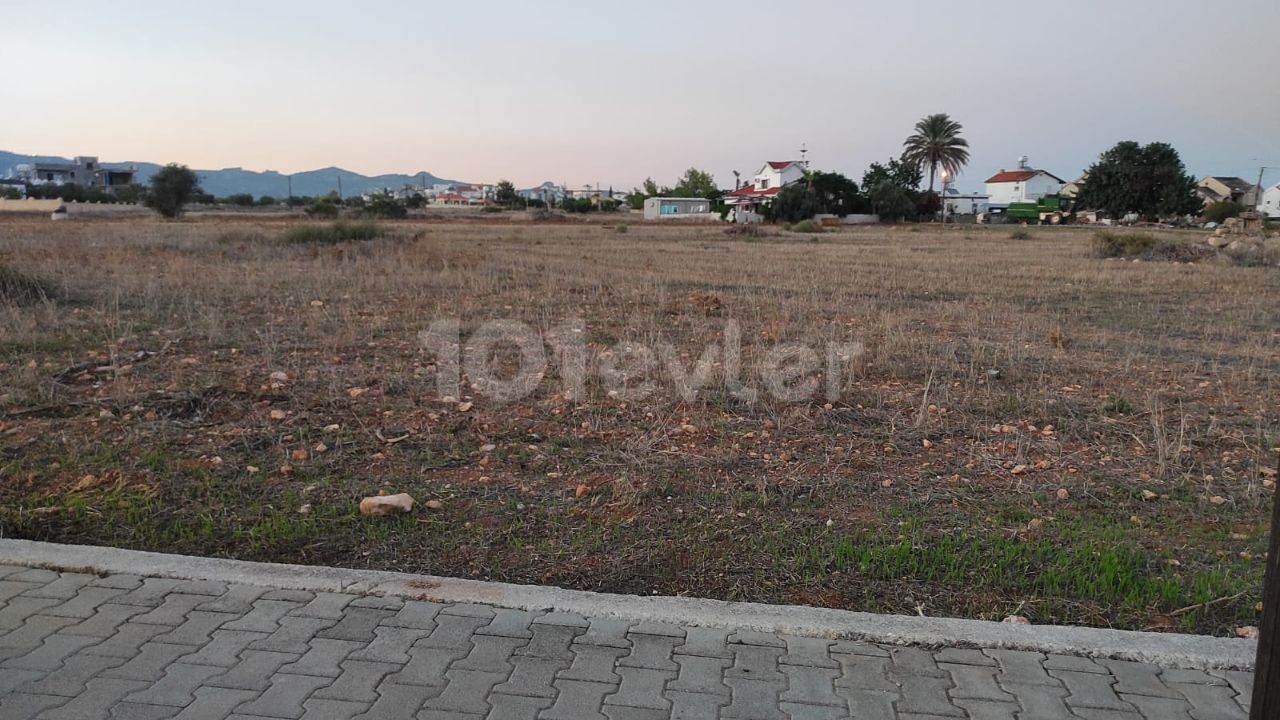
(331, 233)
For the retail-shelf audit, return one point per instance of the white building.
(664, 208)
(1026, 184)
(1270, 205)
(746, 201)
(958, 203)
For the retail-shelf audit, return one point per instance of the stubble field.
(1029, 431)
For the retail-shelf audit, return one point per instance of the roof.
(1235, 183)
(780, 164)
(1008, 176)
(750, 191)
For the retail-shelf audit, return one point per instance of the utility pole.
(339, 187)
(290, 179)
(1266, 682)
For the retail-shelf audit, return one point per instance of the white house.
(745, 202)
(1026, 184)
(1270, 205)
(959, 203)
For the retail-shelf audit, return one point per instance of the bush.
(1146, 247)
(323, 209)
(806, 226)
(620, 229)
(338, 232)
(1126, 245)
(172, 187)
(1219, 211)
(19, 288)
(745, 230)
(386, 208)
(1019, 235)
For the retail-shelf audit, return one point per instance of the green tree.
(892, 202)
(172, 187)
(896, 172)
(266, 201)
(1149, 180)
(696, 183)
(821, 193)
(937, 144)
(240, 199)
(10, 193)
(506, 194)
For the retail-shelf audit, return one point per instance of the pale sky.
(587, 92)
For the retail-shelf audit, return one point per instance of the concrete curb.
(1167, 650)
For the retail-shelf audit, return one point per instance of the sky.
(612, 93)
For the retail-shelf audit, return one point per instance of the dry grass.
(997, 374)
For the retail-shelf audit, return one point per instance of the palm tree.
(937, 143)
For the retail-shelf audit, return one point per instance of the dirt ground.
(1028, 430)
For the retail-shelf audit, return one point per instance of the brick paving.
(81, 647)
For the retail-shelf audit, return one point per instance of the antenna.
(737, 183)
(804, 152)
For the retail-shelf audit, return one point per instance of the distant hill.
(230, 181)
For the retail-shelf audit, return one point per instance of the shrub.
(323, 209)
(1127, 245)
(386, 208)
(1019, 235)
(620, 229)
(172, 187)
(745, 230)
(1146, 247)
(806, 226)
(19, 288)
(1219, 211)
(337, 232)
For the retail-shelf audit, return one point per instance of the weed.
(1020, 234)
(1116, 405)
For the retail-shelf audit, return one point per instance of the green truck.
(1032, 211)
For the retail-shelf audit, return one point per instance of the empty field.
(1027, 430)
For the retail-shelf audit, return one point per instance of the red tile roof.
(780, 164)
(1005, 176)
(750, 191)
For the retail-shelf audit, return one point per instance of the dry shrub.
(709, 304)
(20, 288)
(1254, 252)
(746, 230)
(1126, 245)
(1147, 247)
(806, 226)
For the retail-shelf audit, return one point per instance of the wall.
(43, 207)
(860, 219)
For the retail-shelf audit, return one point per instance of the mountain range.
(230, 181)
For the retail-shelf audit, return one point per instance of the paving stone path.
(79, 647)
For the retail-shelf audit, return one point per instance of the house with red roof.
(1025, 184)
(746, 202)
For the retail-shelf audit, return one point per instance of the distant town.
(1020, 193)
